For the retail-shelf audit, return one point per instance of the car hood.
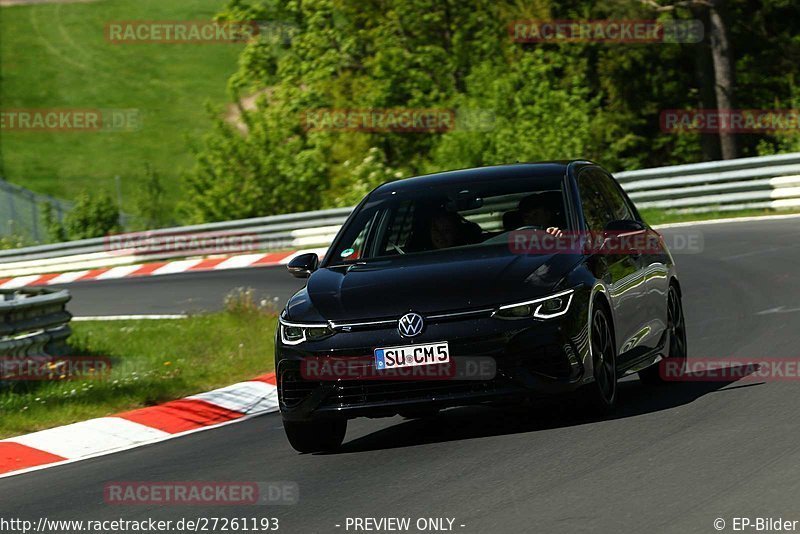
(435, 282)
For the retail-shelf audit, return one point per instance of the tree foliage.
(94, 215)
(535, 101)
(152, 208)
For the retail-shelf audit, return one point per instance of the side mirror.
(303, 265)
(625, 226)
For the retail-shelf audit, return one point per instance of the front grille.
(350, 393)
(294, 390)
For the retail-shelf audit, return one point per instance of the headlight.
(294, 333)
(543, 308)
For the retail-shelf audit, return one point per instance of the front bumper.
(532, 358)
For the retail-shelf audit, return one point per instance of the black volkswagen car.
(544, 276)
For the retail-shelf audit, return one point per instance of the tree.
(545, 100)
(94, 215)
(55, 229)
(722, 53)
(151, 206)
(715, 14)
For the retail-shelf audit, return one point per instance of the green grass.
(57, 56)
(153, 361)
(658, 216)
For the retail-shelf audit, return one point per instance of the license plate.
(412, 355)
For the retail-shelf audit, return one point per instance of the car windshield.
(409, 220)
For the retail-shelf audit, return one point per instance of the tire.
(600, 397)
(316, 436)
(676, 325)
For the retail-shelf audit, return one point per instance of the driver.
(534, 210)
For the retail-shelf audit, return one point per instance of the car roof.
(544, 169)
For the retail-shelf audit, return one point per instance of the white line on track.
(127, 317)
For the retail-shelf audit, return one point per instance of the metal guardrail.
(760, 182)
(34, 321)
(275, 232)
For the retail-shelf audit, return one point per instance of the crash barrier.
(759, 182)
(33, 322)
(746, 183)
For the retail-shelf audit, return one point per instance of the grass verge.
(153, 361)
(56, 55)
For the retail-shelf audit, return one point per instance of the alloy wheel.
(605, 369)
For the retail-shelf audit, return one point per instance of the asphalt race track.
(673, 459)
(178, 293)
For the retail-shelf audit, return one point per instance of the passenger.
(449, 229)
(446, 230)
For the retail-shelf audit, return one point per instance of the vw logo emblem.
(410, 325)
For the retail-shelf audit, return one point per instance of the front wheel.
(600, 396)
(676, 326)
(316, 436)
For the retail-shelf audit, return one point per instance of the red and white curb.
(66, 274)
(106, 435)
(239, 261)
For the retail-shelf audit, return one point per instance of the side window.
(595, 209)
(398, 232)
(355, 249)
(614, 198)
